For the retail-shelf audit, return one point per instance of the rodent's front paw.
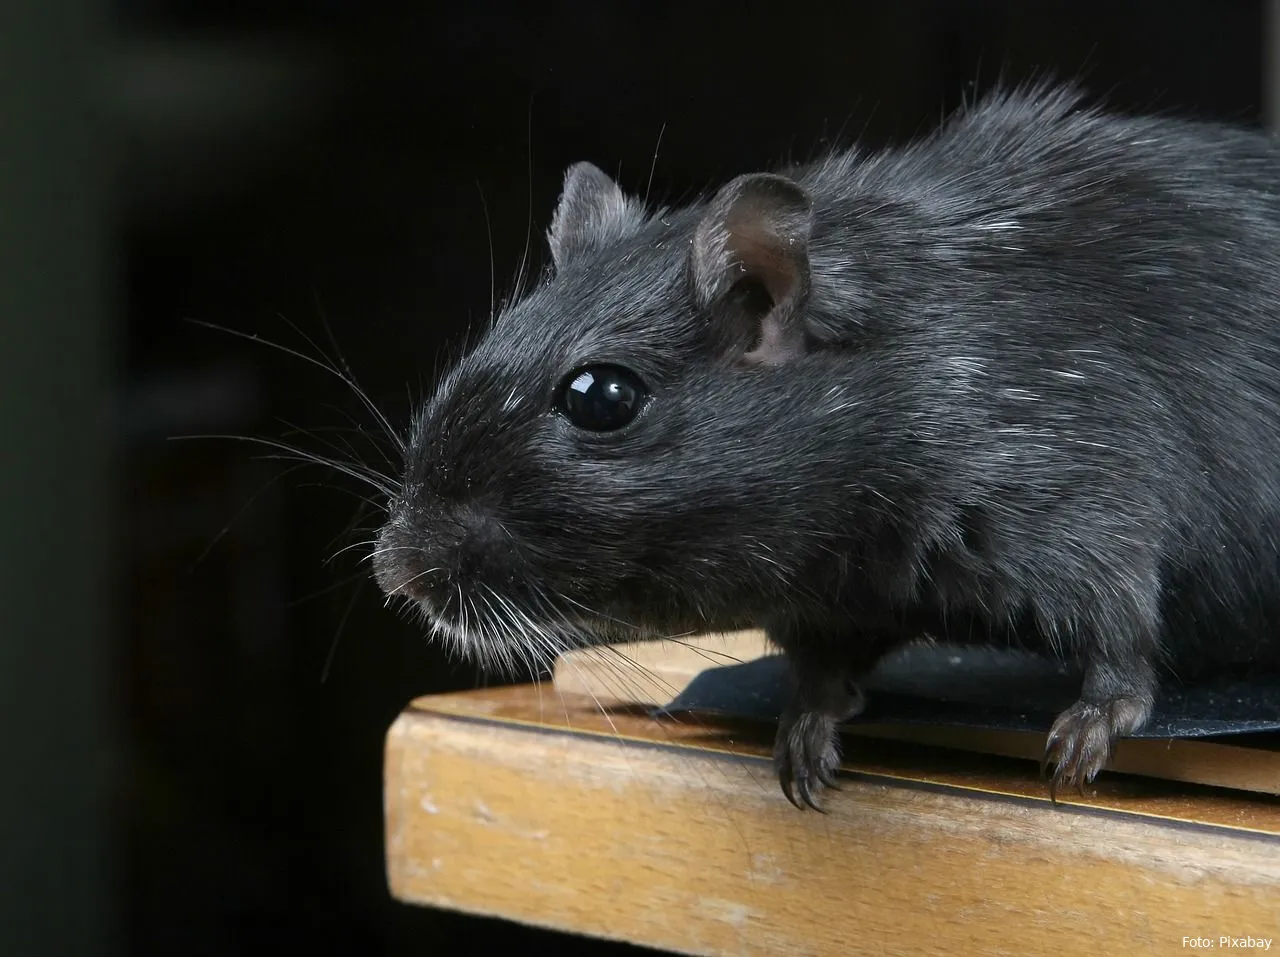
(806, 751)
(806, 754)
(1080, 741)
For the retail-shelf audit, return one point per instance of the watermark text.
(1226, 942)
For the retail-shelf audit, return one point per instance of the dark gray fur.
(1018, 381)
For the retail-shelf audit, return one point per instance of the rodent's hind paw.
(1081, 739)
(806, 754)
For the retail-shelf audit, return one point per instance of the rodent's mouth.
(503, 634)
(512, 626)
(494, 631)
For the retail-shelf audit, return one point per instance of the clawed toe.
(1081, 740)
(806, 756)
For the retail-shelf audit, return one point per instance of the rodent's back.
(1095, 303)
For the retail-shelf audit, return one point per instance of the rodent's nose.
(412, 577)
(409, 563)
(425, 558)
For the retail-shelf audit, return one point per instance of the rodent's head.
(599, 464)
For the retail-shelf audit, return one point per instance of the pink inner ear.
(765, 256)
(777, 261)
(778, 343)
(757, 229)
(762, 252)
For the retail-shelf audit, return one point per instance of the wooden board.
(654, 673)
(541, 807)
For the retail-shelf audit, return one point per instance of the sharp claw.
(1051, 759)
(1068, 776)
(1052, 754)
(788, 789)
(828, 778)
(1065, 777)
(807, 792)
(802, 759)
(1084, 735)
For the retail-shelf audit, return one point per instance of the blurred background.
(196, 690)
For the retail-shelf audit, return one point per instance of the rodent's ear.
(593, 211)
(750, 265)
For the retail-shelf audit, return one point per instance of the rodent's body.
(1084, 330)
(1018, 381)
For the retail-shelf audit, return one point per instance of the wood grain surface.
(546, 808)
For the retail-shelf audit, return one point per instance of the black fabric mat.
(982, 688)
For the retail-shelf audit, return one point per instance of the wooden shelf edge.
(691, 851)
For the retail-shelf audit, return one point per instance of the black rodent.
(1018, 381)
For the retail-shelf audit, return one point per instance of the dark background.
(274, 167)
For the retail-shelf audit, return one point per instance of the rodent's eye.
(602, 398)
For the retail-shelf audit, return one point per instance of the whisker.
(337, 635)
(351, 527)
(346, 447)
(325, 365)
(352, 470)
(363, 543)
(710, 654)
(226, 529)
(654, 165)
(344, 375)
(521, 272)
(493, 269)
(346, 368)
(327, 589)
(376, 504)
(342, 431)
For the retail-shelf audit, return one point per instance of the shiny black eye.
(602, 398)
